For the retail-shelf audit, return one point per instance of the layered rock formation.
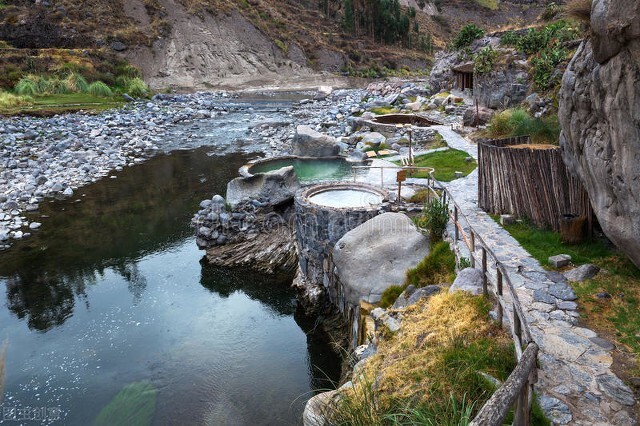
(600, 119)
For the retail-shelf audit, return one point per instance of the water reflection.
(111, 224)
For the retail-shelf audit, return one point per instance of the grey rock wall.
(600, 118)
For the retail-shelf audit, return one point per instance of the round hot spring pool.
(393, 119)
(345, 196)
(308, 170)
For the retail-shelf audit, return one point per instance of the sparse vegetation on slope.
(429, 372)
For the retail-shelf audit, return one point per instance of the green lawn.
(617, 317)
(55, 104)
(445, 163)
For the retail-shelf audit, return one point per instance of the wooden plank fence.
(528, 183)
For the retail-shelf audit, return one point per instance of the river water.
(111, 294)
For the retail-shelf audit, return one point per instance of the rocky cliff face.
(209, 51)
(600, 118)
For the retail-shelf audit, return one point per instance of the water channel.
(111, 294)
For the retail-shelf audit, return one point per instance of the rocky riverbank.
(52, 157)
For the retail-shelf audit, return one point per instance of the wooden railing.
(517, 391)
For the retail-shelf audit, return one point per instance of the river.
(111, 295)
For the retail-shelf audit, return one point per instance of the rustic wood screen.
(528, 183)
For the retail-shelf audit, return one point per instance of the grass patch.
(446, 163)
(429, 373)
(61, 103)
(518, 122)
(9, 100)
(383, 110)
(437, 268)
(135, 404)
(488, 4)
(618, 316)
(390, 295)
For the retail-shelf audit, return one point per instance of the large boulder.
(275, 187)
(483, 115)
(376, 255)
(469, 280)
(600, 119)
(309, 143)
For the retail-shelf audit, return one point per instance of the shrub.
(510, 38)
(438, 267)
(98, 88)
(26, 86)
(56, 86)
(467, 35)
(543, 67)
(434, 218)
(137, 88)
(76, 83)
(484, 60)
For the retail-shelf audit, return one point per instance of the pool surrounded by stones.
(308, 170)
(346, 198)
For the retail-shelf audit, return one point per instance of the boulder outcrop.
(376, 255)
(276, 187)
(309, 143)
(600, 119)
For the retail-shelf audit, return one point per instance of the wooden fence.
(517, 391)
(529, 183)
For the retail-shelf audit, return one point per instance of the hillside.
(197, 43)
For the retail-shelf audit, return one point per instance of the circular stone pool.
(393, 119)
(345, 196)
(308, 170)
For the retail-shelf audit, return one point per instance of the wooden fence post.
(473, 249)
(500, 312)
(485, 289)
(455, 225)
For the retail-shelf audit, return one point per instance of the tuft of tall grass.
(9, 100)
(27, 87)
(518, 122)
(98, 88)
(137, 88)
(76, 83)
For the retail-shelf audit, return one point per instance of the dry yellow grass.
(443, 344)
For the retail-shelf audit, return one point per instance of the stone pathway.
(575, 383)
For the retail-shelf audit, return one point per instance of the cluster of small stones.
(216, 224)
(336, 113)
(575, 384)
(54, 156)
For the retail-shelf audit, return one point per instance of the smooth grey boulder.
(309, 143)
(582, 273)
(598, 114)
(411, 295)
(483, 115)
(277, 187)
(376, 255)
(469, 280)
(373, 139)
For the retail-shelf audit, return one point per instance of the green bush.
(26, 87)
(467, 35)
(137, 88)
(438, 267)
(434, 218)
(55, 86)
(98, 88)
(76, 83)
(484, 60)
